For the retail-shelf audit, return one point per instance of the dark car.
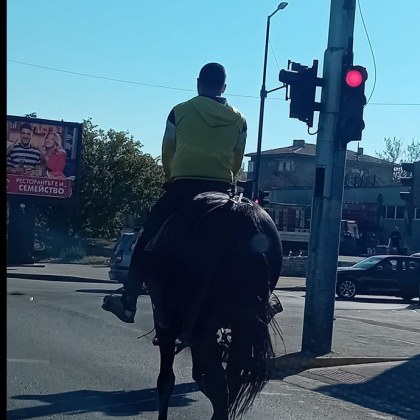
(390, 275)
(119, 262)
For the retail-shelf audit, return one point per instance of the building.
(294, 166)
(371, 195)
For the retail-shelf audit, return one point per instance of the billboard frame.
(39, 200)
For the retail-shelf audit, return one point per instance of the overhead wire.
(76, 73)
(371, 51)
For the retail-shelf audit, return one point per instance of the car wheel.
(346, 289)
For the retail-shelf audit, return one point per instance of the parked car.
(119, 262)
(390, 275)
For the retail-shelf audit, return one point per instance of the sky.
(125, 64)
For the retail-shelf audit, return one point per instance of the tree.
(393, 150)
(117, 178)
(396, 153)
(413, 151)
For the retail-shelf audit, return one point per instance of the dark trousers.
(176, 194)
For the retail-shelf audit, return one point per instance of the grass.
(91, 252)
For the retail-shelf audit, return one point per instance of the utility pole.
(263, 96)
(328, 189)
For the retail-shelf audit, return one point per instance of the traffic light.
(263, 198)
(301, 82)
(247, 187)
(352, 101)
(411, 197)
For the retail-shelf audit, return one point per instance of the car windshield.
(368, 262)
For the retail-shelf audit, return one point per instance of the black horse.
(212, 267)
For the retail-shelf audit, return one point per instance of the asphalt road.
(67, 358)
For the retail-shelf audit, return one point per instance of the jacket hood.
(215, 113)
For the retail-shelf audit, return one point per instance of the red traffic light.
(356, 76)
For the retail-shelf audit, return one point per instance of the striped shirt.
(29, 156)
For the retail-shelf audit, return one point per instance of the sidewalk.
(60, 272)
(99, 274)
(375, 360)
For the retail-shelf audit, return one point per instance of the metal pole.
(328, 189)
(263, 95)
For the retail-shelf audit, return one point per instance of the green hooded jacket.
(207, 140)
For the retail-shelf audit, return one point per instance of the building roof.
(301, 148)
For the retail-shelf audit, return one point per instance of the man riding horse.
(202, 150)
(209, 258)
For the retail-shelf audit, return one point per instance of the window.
(390, 212)
(400, 212)
(285, 166)
(417, 213)
(395, 212)
(251, 166)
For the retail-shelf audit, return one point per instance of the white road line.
(27, 361)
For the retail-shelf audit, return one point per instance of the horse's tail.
(251, 353)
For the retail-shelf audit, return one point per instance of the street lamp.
(263, 95)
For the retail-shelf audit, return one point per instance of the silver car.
(119, 262)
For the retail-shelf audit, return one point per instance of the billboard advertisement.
(43, 158)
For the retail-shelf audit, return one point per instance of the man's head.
(211, 80)
(26, 134)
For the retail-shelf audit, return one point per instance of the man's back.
(208, 133)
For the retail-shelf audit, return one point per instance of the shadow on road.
(110, 403)
(58, 277)
(395, 391)
(105, 291)
(290, 364)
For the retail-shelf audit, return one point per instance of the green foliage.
(396, 153)
(72, 253)
(116, 178)
(413, 151)
(392, 151)
(241, 175)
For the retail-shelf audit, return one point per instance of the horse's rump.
(215, 256)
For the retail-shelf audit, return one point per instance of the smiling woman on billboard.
(53, 157)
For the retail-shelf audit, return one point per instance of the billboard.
(43, 158)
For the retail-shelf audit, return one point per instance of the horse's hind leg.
(166, 378)
(210, 375)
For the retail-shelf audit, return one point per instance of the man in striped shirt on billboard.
(23, 156)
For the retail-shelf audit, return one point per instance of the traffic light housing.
(263, 198)
(301, 82)
(411, 197)
(350, 122)
(247, 187)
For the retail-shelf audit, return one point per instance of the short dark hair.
(212, 76)
(26, 125)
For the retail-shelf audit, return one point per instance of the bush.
(72, 253)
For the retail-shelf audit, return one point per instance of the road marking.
(27, 361)
(276, 393)
(403, 341)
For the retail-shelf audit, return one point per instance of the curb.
(58, 277)
(300, 362)
(292, 288)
